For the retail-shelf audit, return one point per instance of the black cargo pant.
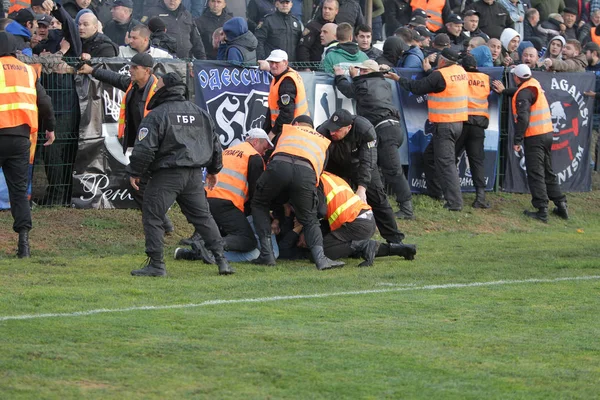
(471, 140)
(338, 243)
(440, 164)
(14, 161)
(389, 139)
(296, 177)
(543, 183)
(233, 225)
(185, 186)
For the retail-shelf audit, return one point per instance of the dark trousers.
(338, 244)
(389, 139)
(440, 163)
(14, 161)
(59, 159)
(471, 140)
(233, 225)
(383, 212)
(297, 179)
(543, 183)
(185, 186)
(138, 197)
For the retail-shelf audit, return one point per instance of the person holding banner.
(448, 89)
(24, 101)
(534, 132)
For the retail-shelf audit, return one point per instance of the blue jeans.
(236, 256)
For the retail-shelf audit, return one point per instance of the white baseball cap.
(258, 133)
(522, 71)
(277, 56)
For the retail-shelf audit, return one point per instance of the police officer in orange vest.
(287, 97)
(230, 199)
(473, 134)
(294, 171)
(139, 89)
(352, 225)
(22, 98)
(533, 132)
(448, 89)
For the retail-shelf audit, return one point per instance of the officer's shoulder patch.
(144, 19)
(285, 99)
(260, 24)
(142, 134)
(372, 143)
(305, 32)
(295, 24)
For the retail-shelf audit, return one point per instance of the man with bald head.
(94, 43)
(310, 48)
(474, 42)
(530, 57)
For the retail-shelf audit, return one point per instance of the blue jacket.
(413, 58)
(22, 36)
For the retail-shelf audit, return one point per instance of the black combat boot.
(367, 250)
(188, 242)
(405, 211)
(541, 214)
(181, 253)
(224, 267)
(323, 262)
(561, 210)
(202, 253)
(23, 250)
(266, 256)
(408, 251)
(480, 201)
(154, 266)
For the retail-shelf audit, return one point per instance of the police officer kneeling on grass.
(175, 140)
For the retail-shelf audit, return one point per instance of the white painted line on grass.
(300, 296)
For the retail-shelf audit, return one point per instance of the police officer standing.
(139, 89)
(353, 156)
(533, 131)
(175, 140)
(279, 30)
(373, 95)
(287, 97)
(294, 170)
(448, 89)
(310, 48)
(473, 134)
(22, 98)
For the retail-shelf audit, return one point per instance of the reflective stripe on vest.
(450, 105)
(342, 204)
(301, 101)
(153, 81)
(304, 142)
(16, 5)
(18, 98)
(479, 91)
(540, 119)
(434, 9)
(233, 178)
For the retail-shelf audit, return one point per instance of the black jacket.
(493, 18)
(397, 14)
(373, 95)
(278, 31)
(349, 12)
(164, 41)
(99, 45)
(310, 48)
(373, 53)
(207, 23)
(176, 133)
(256, 11)
(353, 158)
(182, 28)
(117, 31)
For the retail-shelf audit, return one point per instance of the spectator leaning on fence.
(139, 42)
(310, 48)
(346, 51)
(240, 44)
(94, 43)
(121, 23)
(22, 29)
(364, 38)
(24, 98)
(572, 59)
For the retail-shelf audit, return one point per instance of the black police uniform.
(14, 155)
(175, 140)
(373, 96)
(278, 31)
(354, 158)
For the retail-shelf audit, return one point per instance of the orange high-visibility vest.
(16, 5)
(434, 9)
(301, 101)
(450, 105)
(233, 178)
(304, 142)
(540, 119)
(342, 204)
(595, 38)
(479, 90)
(148, 93)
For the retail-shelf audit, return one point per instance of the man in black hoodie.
(17, 125)
(213, 18)
(174, 142)
(310, 48)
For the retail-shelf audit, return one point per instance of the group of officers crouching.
(330, 172)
